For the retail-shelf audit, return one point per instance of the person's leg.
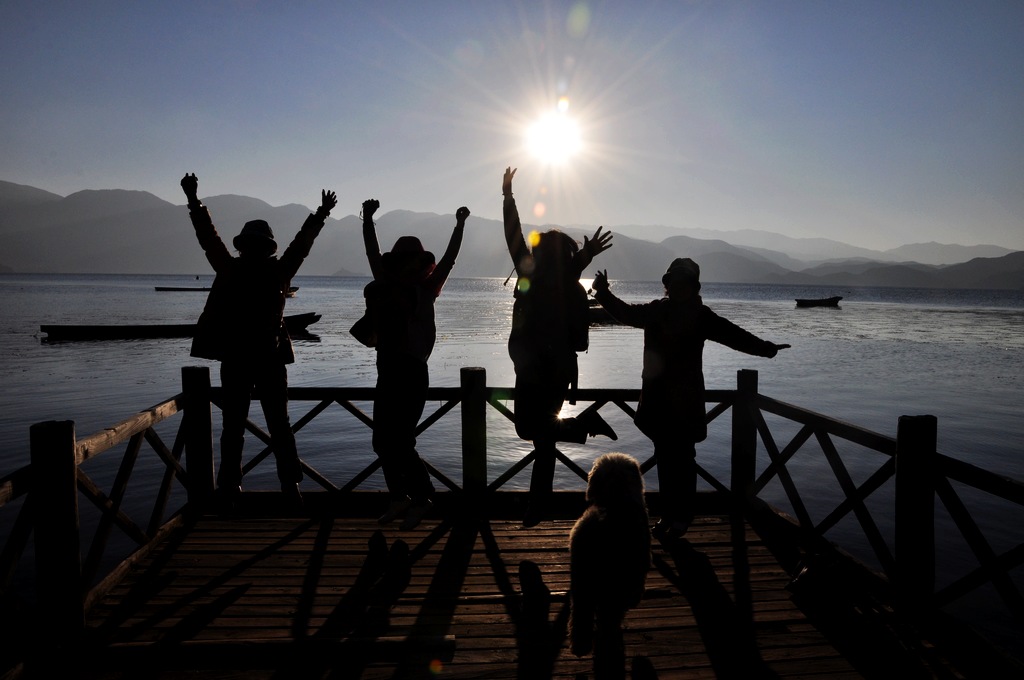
(236, 394)
(677, 482)
(387, 425)
(537, 404)
(417, 478)
(401, 395)
(272, 387)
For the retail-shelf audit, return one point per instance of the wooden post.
(198, 435)
(474, 431)
(744, 436)
(59, 588)
(916, 440)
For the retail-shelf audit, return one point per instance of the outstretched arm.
(447, 262)
(209, 240)
(723, 331)
(300, 246)
(370, 238)
(631, 315)
(513, 227)
(591, 249)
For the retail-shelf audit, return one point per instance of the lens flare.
(533, 238)
(539, 209)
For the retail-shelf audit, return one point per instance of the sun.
(554, 138)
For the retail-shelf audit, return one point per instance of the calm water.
(885, 353)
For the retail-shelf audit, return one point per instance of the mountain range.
(134, 232)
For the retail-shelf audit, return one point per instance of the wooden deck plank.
(337, 597)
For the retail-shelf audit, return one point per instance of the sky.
(875, 123)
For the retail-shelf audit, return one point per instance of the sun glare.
(554, 139)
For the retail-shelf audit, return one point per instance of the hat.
(255, 234)
(408, 251)
(682, 266)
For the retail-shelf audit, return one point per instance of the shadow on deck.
(332, 595)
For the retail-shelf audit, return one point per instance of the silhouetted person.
(671, 410)
(400, 324)
(550, 323)
(242, 326)
(609, 557)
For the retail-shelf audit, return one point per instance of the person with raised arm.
(242, 326)
(671, 411)
(550, 324)
(399, 324)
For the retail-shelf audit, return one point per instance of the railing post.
(59, 588)
(198, 434)
(474, 431)
(916, 440)
(744, 436)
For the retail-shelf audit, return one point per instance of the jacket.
(244, 313)
(672, 390)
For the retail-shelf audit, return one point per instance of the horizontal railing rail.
(766, 435)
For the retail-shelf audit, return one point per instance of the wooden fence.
(67, 579)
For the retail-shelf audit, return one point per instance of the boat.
(297, 326)
(819, 302)
(183, 289)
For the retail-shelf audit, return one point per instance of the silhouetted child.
(610, 555)
(399, 323)
(550, 323)
(671, 410)
(242, 326)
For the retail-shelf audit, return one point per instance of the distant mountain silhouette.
(134, 232)
(813, 251)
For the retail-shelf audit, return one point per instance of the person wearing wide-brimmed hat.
(671, 410)
(242, 327)
(399, 325)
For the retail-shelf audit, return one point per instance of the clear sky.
(876, 123)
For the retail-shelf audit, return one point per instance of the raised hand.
(600, 281)
(369, 207)
(778, 347)
(190, 185)
(461, 214)
(598, 244)
(506, 182)
(328, 199)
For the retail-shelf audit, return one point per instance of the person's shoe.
(395, 508)
(597, 425)
(292, 497)
(226, 499)
(534, 515)
(415, 514)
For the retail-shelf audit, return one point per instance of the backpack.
(389, 307)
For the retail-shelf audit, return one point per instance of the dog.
(610, 555)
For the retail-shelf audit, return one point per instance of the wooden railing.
(66, 581)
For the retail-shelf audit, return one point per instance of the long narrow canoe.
(201, 289)
(819, 302)
(297, 324)
(182, 289)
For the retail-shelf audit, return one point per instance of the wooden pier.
(262, 592)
